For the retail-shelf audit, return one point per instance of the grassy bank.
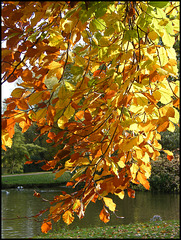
(159, 229)
(46, 179)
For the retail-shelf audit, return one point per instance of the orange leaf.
(110, 94)
(169, 154)
(45, 227)
(131, 193)
(69, 184)
(97, 72)
(79, 115)
(28, 162)
(104, 215)
(142, 179)
(163, 127)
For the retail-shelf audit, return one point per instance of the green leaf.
(158, 4)
(97, 24)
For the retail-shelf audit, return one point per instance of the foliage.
(169, 140)
(165, 176)
(152, 230)
(123, 91)
(14, 158)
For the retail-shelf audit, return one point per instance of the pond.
(22, 203)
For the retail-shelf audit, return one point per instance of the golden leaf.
(68, 217)
(109, 203)
(142, 179)
(120, 194)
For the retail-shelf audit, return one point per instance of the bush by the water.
(165, 175)
(170, 140)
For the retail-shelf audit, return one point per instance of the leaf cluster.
(109, 112)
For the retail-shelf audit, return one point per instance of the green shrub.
(170, 140)
(165, 176)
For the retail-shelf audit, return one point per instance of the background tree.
(14, 158)
(124, 91)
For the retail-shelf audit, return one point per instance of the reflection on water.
(22, 203)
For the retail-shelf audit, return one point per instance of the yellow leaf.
(121, 164)
(68, 217)
(129, 144)
(76, 205)
(163, 56)
(69, 112)
(61, 121)
(171, 127)
(68, 25)
(141, 100)
(35, 98)
(54, 65)
(157, 95)
(6, 140)
(133, 127)
(134, 168)
(109, 203)
(146, 158)
(120, 194)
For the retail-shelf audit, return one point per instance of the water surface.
(22, 203)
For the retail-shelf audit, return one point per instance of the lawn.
(159, 229)
(40, 179)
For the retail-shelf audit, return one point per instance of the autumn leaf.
(36, 194)
(104, 215)
(100, 82)
(68, 217)
(45, 227)
(142, 179)
(109, 203)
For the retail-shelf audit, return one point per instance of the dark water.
(22, 203)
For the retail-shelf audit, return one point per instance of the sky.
(6, 89)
